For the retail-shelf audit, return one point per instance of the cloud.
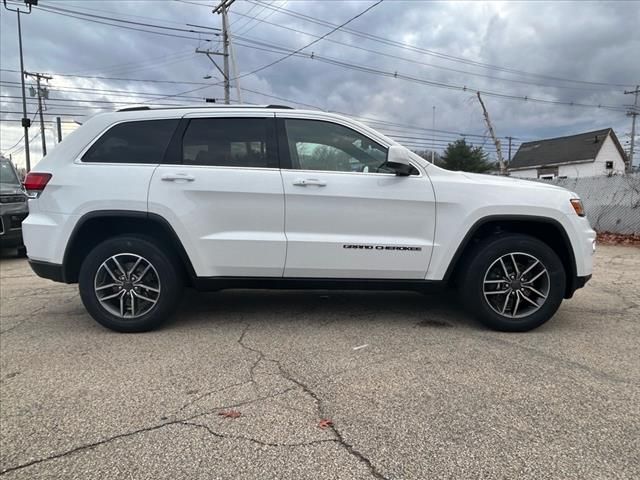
(575, 40)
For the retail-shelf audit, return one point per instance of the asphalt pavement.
(320, 385)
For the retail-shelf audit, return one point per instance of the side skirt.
(279, 283)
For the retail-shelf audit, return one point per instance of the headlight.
(576, 203)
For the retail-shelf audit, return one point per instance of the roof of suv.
(199, 105)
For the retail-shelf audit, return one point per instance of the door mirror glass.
(398, 161)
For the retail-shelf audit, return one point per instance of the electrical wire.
(121, 20)
(397, 75)
(46, 9)
(448, 57)
(338, 27)
(418, 62)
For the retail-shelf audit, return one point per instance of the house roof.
(580, 148)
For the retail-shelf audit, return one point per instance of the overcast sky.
(566, 52)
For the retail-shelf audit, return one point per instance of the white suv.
(135, 204)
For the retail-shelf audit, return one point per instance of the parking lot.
(405, 386)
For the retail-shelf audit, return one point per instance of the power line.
(46, 121)
(448, 57)
(51, 114)
(397, 75)
(418, 62)
(121, 20)
(92, 102)
(145, 17)
(123, 79)
(259, 20)
(136, 66)
(47, 9)
(338, 27)
(111, 92)
(247, 13)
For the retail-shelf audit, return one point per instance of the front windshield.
(8, 174)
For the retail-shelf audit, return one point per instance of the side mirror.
(398, 160)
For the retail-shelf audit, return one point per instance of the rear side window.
(230, 142)
(133, 142)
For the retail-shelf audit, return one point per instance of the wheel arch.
(95, 227)
(548, 230)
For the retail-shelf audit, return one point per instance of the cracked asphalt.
(414, 388)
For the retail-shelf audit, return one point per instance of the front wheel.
(513, 283)
(129, 284)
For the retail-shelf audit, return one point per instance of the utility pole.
(59, 128)
(225, 52)
(222, 9)
(503, 170)
(633, 113)
(26, 121)
(224, 73)
(433, 137)
(509, 158)
(42, 92)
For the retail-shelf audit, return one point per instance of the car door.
(347, 215)
(220, 188)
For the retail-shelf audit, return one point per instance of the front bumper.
(578, 282)
(11, 228)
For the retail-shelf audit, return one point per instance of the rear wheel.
(129, 284)
(513, 283)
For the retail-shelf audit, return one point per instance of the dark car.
(13, 207)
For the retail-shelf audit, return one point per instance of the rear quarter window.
(133, 142)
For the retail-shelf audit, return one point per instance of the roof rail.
(198, 105)
(133, 109)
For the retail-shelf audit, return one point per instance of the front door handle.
(172, 177)
(303, 182)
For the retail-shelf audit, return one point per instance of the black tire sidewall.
(170, 281)
(489, 251)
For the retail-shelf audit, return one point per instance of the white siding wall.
(530, 173)
(597, 168)
(578, 170)
(608, 153)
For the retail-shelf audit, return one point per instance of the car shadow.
(320, 307)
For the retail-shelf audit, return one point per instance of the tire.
(532, 299)
(21, 251)
(136, 304)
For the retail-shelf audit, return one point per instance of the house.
(590, 154)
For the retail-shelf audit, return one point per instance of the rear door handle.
(303, 182)
(172, 177)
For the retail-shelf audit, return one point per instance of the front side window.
(318, 145)
(133, 142)
(229, 142)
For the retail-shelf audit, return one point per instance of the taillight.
(35, 182)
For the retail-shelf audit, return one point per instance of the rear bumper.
(50, 271)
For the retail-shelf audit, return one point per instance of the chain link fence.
(612, 203)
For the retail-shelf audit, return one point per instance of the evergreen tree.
(461, 156)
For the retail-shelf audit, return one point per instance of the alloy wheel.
(516, 285)
(127, 285)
